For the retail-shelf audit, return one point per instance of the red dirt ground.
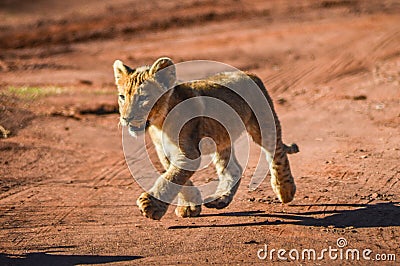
(66, 194)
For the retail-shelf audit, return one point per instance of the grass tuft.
(30, 93)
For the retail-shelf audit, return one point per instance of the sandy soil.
(66, 194)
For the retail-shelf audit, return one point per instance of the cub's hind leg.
(282, 180)
(189, 201)
(229, 173)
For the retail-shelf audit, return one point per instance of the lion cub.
(146, 96)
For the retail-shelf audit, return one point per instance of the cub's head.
(139, 88)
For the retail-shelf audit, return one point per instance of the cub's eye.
(122, 97)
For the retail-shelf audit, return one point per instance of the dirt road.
(67, 196)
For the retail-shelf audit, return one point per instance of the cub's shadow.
(42, 258)
(362, 216)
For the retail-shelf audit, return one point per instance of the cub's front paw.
(151, 207)
(188, 211)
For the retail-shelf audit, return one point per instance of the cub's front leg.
(180, 165)
(151, 207)
(154, 203)
(189, 197)
(189, 201)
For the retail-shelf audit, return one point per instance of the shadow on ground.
(42, 258)
(364, 216)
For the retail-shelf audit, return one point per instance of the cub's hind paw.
(151, 207)
(217, 201)
(285, 191)
(188, 211)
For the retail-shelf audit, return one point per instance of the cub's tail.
(293, 148)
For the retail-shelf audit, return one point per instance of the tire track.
(289, 78)
(388, 39)
(342, 65)
(22, 191)
(105, 176)
(387, 187)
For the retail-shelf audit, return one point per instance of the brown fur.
(141, 88)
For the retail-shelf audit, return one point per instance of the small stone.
(86, 82)
(251, 242)
(282, 101)
(374, 195)
(359, 97)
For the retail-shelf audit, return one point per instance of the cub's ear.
(120, 70)
(164, 71)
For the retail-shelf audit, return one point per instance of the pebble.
(374, 195)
